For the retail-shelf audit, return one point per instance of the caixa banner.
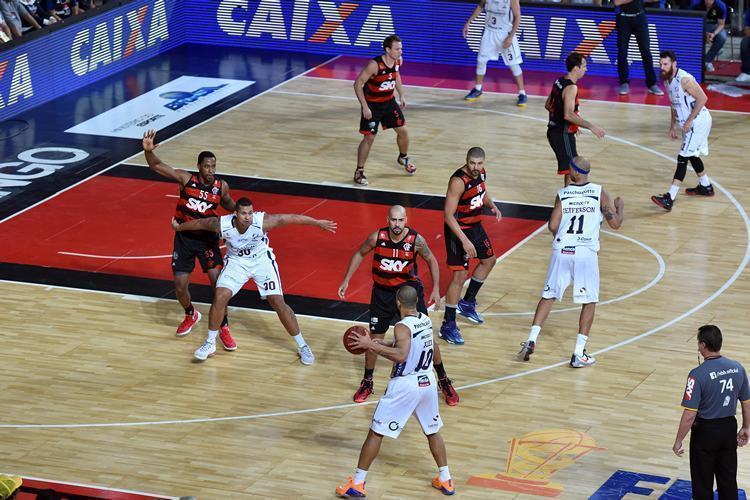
(432, 31)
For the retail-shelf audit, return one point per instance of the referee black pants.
(713, 453)
(638, 26)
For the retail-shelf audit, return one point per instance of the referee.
(630, 19)
(710, 402)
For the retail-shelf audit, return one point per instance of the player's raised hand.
(149, 140)
(342, 289)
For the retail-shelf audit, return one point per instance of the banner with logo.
(160, 107)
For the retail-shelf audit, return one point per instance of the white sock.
(478, 86)
(300, 341)
(704, 180)
(359, 476)
(212, 335)
(534, 333)
(580, 344)
(673, 190)
(445, 474)
(521, 92)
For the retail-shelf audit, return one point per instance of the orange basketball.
(351, 331)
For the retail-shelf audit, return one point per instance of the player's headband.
(579, 169)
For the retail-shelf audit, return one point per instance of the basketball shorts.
(261, 269)
(564, 146)
(577, 264)
(187, 248)
(457, 258)
(695, 141)
(405, 396)
(383, 310)
(388, 114)
(491, 48)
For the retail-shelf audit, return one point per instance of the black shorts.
(388, 114)
(383, 310)
(564, 145)
(457, 258)
(187, 248)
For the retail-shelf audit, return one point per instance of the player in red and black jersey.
(201, 195)
(465, 239)
(564, 119)
(374, 88)
(394, 264)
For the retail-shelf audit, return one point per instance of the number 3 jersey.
(581, 216)
(251, 243)
(420, 355)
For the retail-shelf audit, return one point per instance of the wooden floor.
(80, 359)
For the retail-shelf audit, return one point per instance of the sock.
(534, 333)
(704, 180)
(440, 369)
(212, 335)
(473, 289)
(300, 341)
(359, 476)
(450, 312)
(403, 155)
(580, 344)
(478, 86)
(521, 92)
(369, 372)
(445, 474)
(673, 190)
(225, 321)
(189, 310)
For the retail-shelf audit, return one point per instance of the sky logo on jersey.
(180, 99)
(689, 388)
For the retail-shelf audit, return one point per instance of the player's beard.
(666, 75)
(397, 230)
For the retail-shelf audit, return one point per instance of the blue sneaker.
(450, 333)
(473, 95)
(522, 100)
(469, 311)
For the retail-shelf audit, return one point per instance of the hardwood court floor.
(73, 357)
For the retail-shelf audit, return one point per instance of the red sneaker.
(364, 391)
(226, 339)
(188, 323)
(450, 394)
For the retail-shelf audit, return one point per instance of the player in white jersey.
(688, 110)
(411, 391)
(249, 257)
(574, 222)
(499, 39)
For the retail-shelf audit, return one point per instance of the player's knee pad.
(697, 164)
(482, 66)
(515, 69)
(681, 169)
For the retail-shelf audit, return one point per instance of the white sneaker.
(709, 67)
(207, 349)
(305, 355)
(581, 361)
(743, 77)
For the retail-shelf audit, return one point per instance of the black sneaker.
(664, 201)
(700, 190)
(527, 349)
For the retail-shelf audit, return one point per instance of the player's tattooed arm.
(207, 224)
(422, 248)
(613, 214)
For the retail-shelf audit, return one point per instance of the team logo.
(689, 388)
(179, 99)
(407, 246)
(423, 381)
(215, 190)
(582, 290)
(393, 426)
(547, 288)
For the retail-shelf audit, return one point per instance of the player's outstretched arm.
(207, 224)
(272, 221)
(158, 166)
(367, 246)
(613, 214)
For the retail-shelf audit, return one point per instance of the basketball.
(356, 330)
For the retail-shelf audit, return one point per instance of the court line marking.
(651, 284)
(115, 257)
(743, 264)
(95, 487)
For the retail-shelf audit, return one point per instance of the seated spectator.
(39, 13)
(745, 50)
(13, 12)
(5, 35)
(713, 27)
(62, 8)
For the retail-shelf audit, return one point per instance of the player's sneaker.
(473, 95)
(359, 177)
(581, 361)
(365, 389)
(450, 333)
(446, 487)
(664, 201)
(522, 100)
(450, 394)
(405, 162)
(527, 349)
(351, 490)
(188, 323)
(469, 311)
(206, 350)
(305, 355)
(226, 339)
(700, 190)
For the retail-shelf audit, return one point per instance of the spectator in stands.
(13, 11)
(745, 50)
(5, 35)
(631, 20)
(62, 8)
(713, 27)
(39, 13)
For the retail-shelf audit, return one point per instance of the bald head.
(397, 219)
(579, 167)
(407, 297)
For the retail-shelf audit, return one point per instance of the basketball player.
(249, 256)
(688, 102)
(465, 239)
(374, 88)
(499, 39)
(411, 391)
(564, 118)
(575, 223)
(200, 196)
(394, 265)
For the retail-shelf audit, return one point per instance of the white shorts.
(262, 269)
(695, 141)
(406, 396)
(492, 47)
(577, 264)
